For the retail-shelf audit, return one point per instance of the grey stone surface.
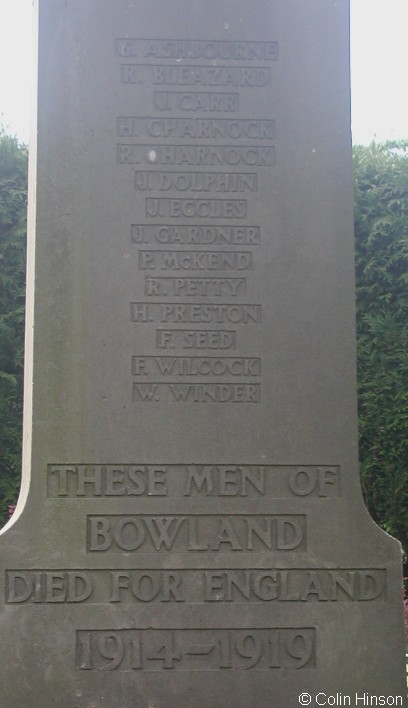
(191, 531)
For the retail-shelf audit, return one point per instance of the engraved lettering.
(196, 49)
(195, 128)
(113, 480)
(196, 366)
(167, 392)
(144, 586)
(195, 182)
(48, 586)
(195, 585)
(226, 76)
(196, 208)
(177, 481)
(214, 480)
(184, 533)
(193, 287)
(194, 101)
(203, 649)
(193, 260)
(195, 339)
(305, 481)
(196, 235)
(196, 155)
(197, 313)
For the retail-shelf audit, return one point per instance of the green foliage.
(13, 199)
(381, 226)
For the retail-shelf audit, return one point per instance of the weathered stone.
(191, 530)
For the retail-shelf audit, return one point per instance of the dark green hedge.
(13, 205)
(381, 218)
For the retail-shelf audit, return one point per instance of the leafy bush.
(13, 199)
(381, 228)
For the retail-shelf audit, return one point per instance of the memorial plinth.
(191, 531)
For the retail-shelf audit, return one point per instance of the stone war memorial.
(190, 531)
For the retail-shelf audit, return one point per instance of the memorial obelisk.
(191, 531)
